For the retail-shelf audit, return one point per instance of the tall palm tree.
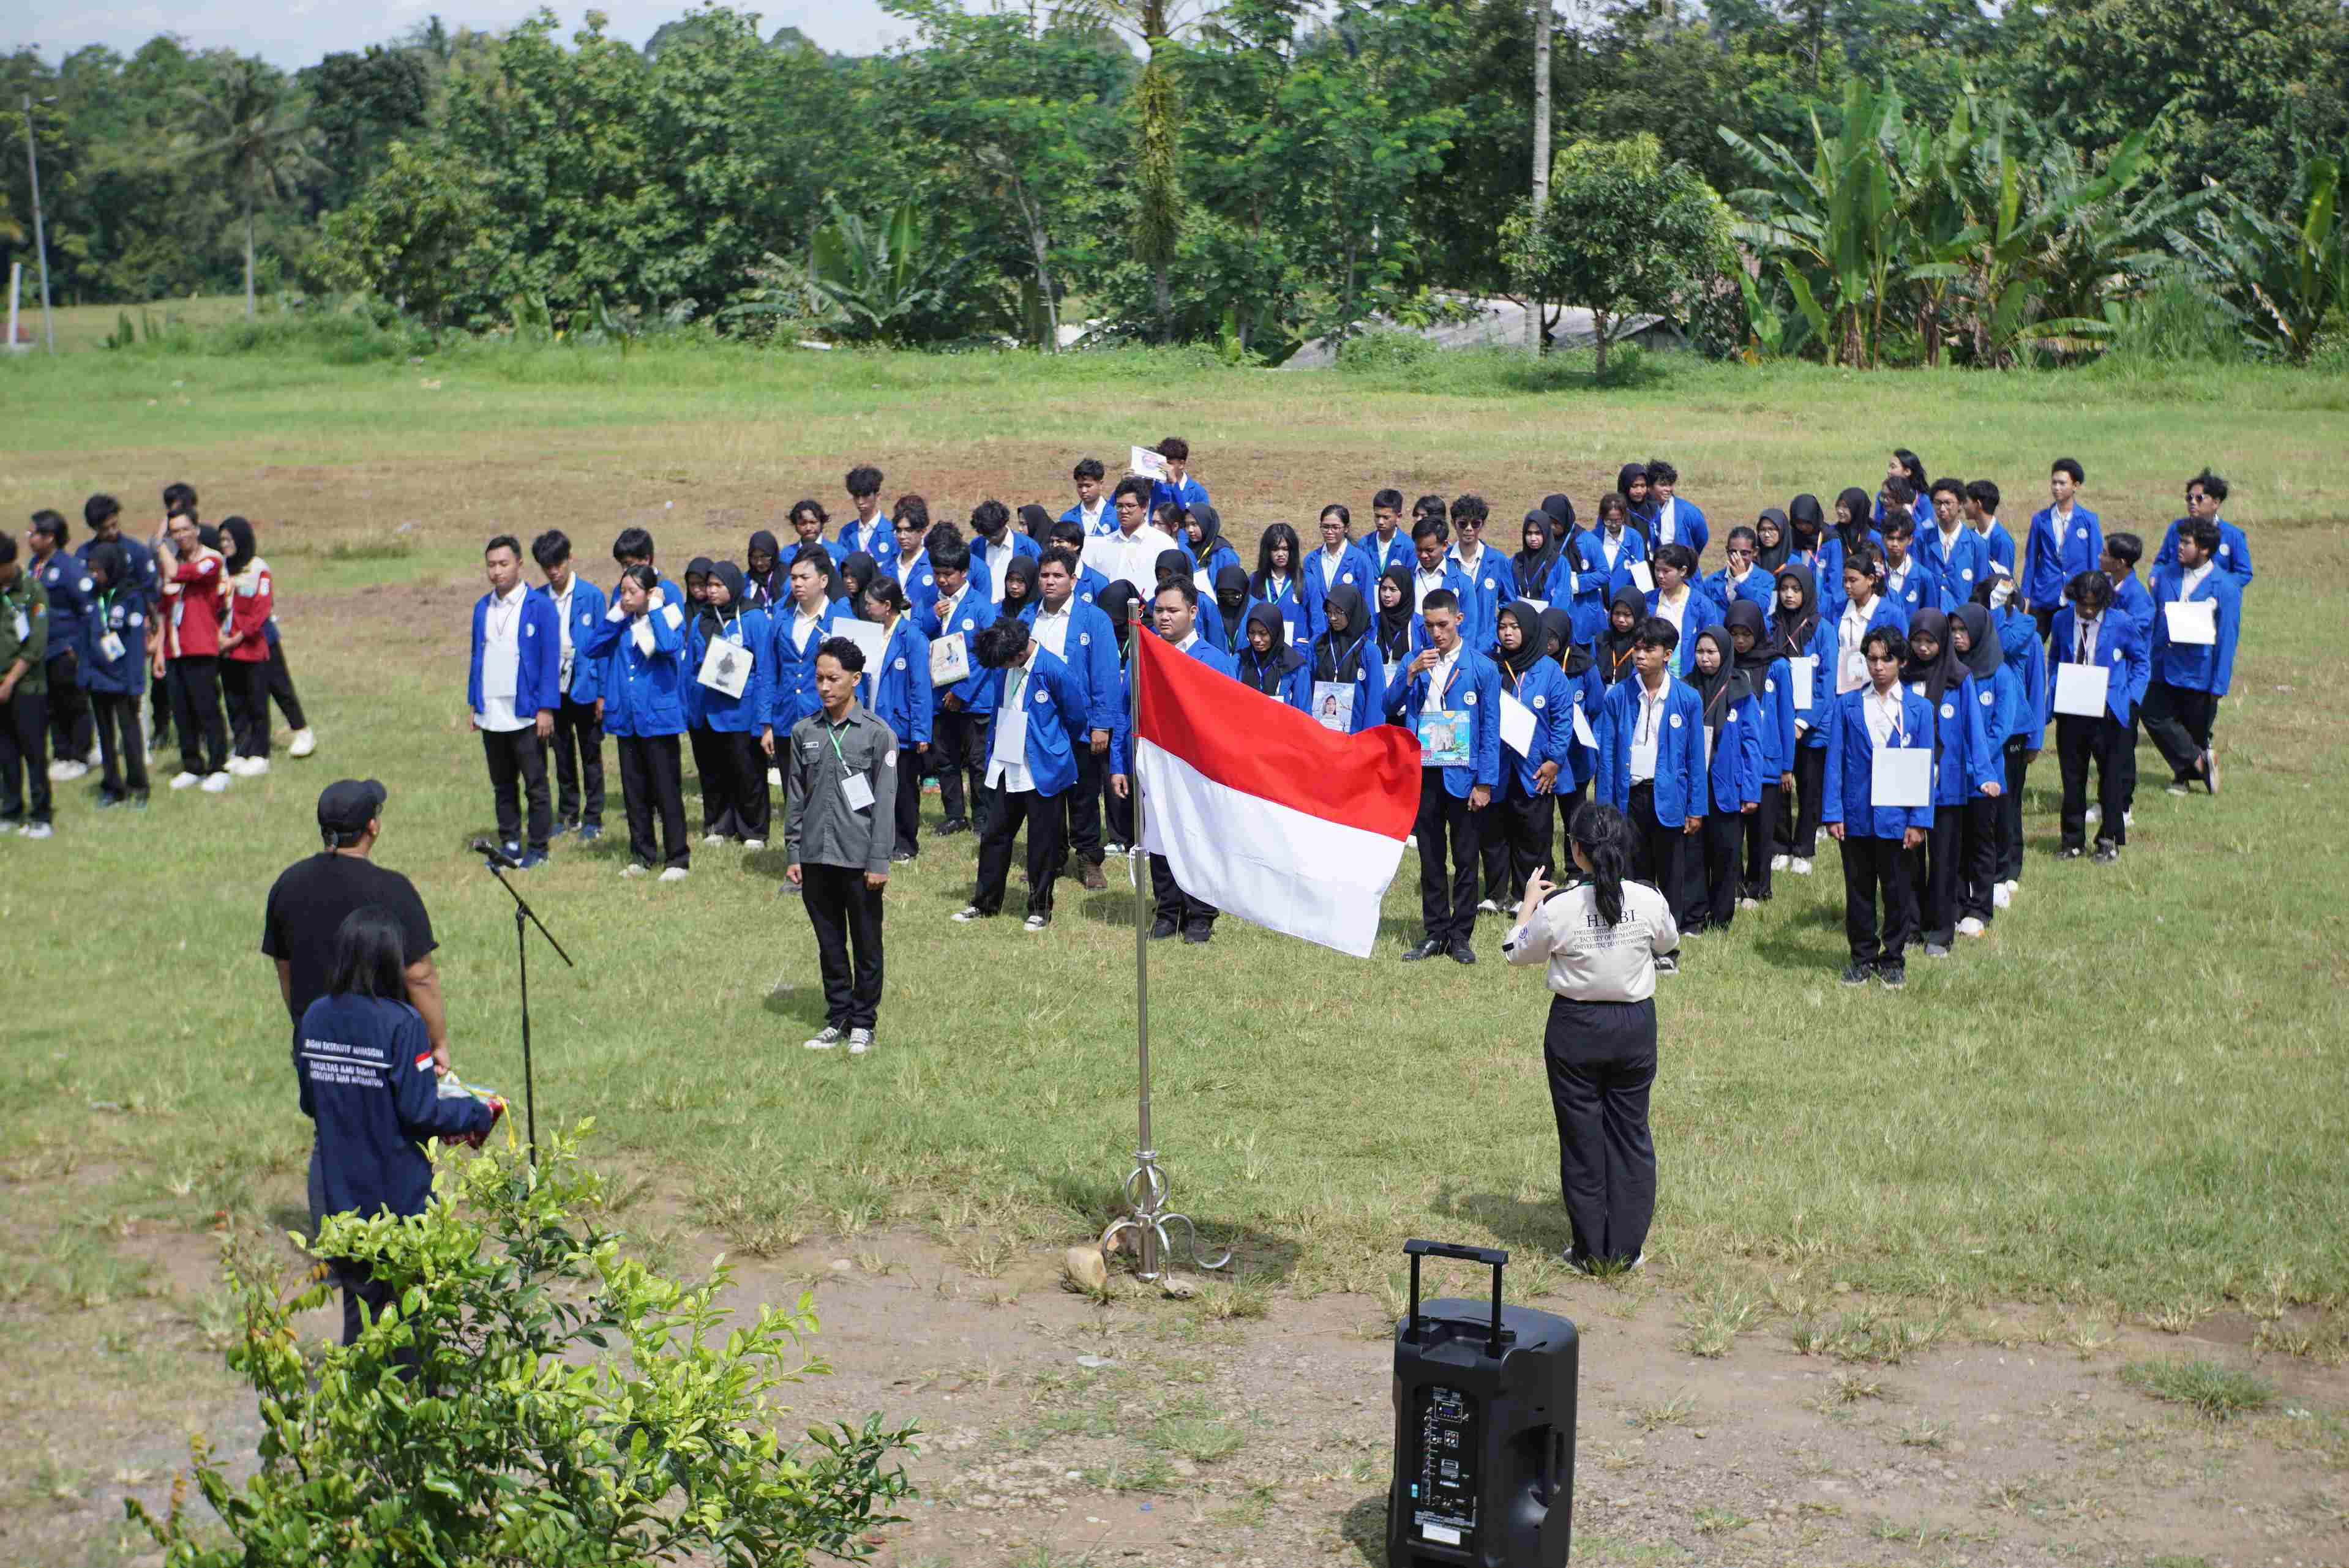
(250, 125)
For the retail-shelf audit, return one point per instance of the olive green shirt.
(819, 827)
(25, 631)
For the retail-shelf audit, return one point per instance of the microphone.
(493, 851)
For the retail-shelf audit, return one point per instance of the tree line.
(1866, 181)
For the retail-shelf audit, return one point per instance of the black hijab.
(1338, 654)
(1770, 557)
(1942, 671)
(772, 585)
(1529, 640)
(1793, 640)
(1614, 653)
(1115, 601)
(699, 566)
(1854, 533)
(1532, 562)
(1024, 570)
(1265, 673)
(238, 534)
(1640, 511)
(728, 574)
(1983, 654)
(1746, 613)
(1726, 686)
(1394, 625)
(1231, 605)
(856, 575)
(1808, 520)
(1558, 641)
(1036, 521)
(1170, 560)
(1210, 531)
(1561, 514)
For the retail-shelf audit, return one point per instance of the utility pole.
(1542, 20)
(40, 238)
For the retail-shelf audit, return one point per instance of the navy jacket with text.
(364, 1067)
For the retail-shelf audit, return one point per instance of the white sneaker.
(37, 830)
(303, 744)
(1486, 906)
(675, 874)
(66, 772)
(96, 759)
(825, 1041)
(2000, 897)
(859, 1041)
(1778, 863)
(215, 784)
(1410, 840)
(754, 843)
(1970, 926)
(2013, 889)
(255, 768)
(1035, 922)
(632, 870)
(1799, 866)
(2128, 818)
(184, 780)
(967, 913)
(1749, 904)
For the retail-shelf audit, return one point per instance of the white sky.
(294, 33)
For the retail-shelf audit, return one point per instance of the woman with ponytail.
(1603, 937)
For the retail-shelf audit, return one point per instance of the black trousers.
(195, 691)
(1658, 853)
(2044, 619)
(2105, 741)
(69, 720)
(733, 770)
(517, 757)
(1515, 835)
(846, 915)
(958, 746)
(2178, 720)
(1601, 1057)
(911, 767)
(1978, 858)
(1083, 801)
(245, 686)
(1119, 812)
(1759, 831)
(578, 745)
(120, 746)
(1448, 900)
(1798, 815)
(24, 756)
(1713, 878)
(652, 781)
(280, 688)
(2010, 812)
(1193, 916)
(1933, 873)
(1046, 820)
(158, 709)
(1873, 868)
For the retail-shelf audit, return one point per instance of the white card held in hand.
(2194, 621)
(1642, 578)
(871, 638)
(1147, 463)
(1902, 776)
(1805, 671)
(726, 667)
(1517, 726)
(1582, 735)
(949, 660)
(2080, 689)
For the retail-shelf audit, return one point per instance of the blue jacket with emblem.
(972, 614)
(1850, 799)
(2118, 648)
(1475, 685)
(1090, 653)
(587, 607)
(1680, 749)
(644, 693)
(709, 708)
(2234, 557)
(1355, 571)
(1546, 691)
(538, 674)
(2050, 563)
(1057, 707)
(790, 667)
(2196, 667)
(898, 691)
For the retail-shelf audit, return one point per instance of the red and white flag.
(1264, 813)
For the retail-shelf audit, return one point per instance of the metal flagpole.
(1146, 1215)
(40, 236)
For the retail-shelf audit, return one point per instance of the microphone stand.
(524, 918)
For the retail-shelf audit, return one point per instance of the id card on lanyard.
(854, 787)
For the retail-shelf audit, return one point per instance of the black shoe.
(1198, 938)
(1163, 929)
(1893, 975)
(2108, 852)
(1427, 949)
(1855, 974)
(1462, 954)
(2069, 852)
(949, 828)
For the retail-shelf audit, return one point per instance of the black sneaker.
(1893, 975)
(1163, 929)
(1462, 954)
(2069, 852)
(949, 828)
(1427, 949)
(1198, 938)
(1668, 963)
(2108, 852)
(1855, 974)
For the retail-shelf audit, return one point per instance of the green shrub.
(513, 1440)
(1385, 350)
(2180, 322)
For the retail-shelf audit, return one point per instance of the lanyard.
(833, 733)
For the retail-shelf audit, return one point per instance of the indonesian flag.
(1264, 813)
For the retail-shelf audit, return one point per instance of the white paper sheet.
(2080, 689)
(2192, 620)
(1902, 776)
(1517, 726)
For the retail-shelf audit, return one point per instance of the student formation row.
(109, 648)
(1526, 665)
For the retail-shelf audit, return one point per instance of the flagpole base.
(1148, 1218)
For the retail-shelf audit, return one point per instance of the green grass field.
(2130, 1095)
(83, 327)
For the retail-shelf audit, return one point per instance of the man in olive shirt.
(839, 785)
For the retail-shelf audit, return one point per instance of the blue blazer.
(897, 692)
(921, 584)
(1475, 685)
(791, 669)
(1920, 589)
(1296, 617)
(2191, 665)
(1920, 510)
(2118, 648)
(1368, 685)
(1688, 527)
(2052, 562)
(1103, 525)
(1396, 551)
(1851, 759)
(1758, 589)
(1735, 775)
(1221, 556)
(974, 614)
(1493, 584)
(67, 584)
(1679, 751)
(587, 607)
(537, 678)
(1829, 571)
(1090, 653)
(2234, 557)
(1774, 706)
(879, 540)
(643, 693)
(1055, 705)
(1090, 585)
(141, 578)
(1966, 563)
(1188, 493)
(1998, 545)
(2135, 600)
(1585, 693)
(1355, 571)
(980, 563)
(1589, 548)
(1294, 690)
(2026, 656)
(1809, 724)
(1887, 613)
(708, 709)
(1966, 760)
(1550, 695)
(1702, 611)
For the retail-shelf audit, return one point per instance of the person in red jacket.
(187, 655)
(244, 650)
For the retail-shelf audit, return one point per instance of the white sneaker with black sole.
(829, 1038)
(859, 1041)
(967, 913)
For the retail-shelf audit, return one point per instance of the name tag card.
(857, 790)
(1902, 776)
(643, 637)
(1333, 704)
(1517, 726)
(2193, 621)
(2080, 689)
(109, 648)
(1642, 578)
(1444, 736)
(1010, 739)
(1805, 671)
(871, 638)
(949, 660)
(1582, 735)
(726, 667)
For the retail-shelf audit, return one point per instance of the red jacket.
(250, 599)
(194, 597)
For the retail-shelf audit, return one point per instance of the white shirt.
(2084, 639)
(997, 557)
(502, 662)
(2192, 580)
(1950, 537)
(1425, 582)
(1668, 523)
(1674, 610)
(1011, 772)
(1469, 562)
(562, 626)
(1851, 673)
(1092, 518)
(1330, 560)
(947, 608)
(1439, 679)
(1883, 711)
(1589, 962)
(1052, 626)
(1895, 580)
(1611, 546)
(1648, 728)
(803, 626)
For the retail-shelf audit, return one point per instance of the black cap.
(347, 805)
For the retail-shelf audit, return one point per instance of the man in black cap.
(311, 897)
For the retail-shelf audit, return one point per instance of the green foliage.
(874, 284)
(421, 234)
(1624, 233)
(484, 1418)
(2175, 321)
(2282, 275)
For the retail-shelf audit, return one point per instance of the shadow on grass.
(1524, 1226)
(1092, 1201)
(1364, 1527)
(800, 1002)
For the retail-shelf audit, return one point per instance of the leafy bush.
(1376, 352)
(2178, 321)
(511, 1441)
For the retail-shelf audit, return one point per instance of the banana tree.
(2280, 278)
